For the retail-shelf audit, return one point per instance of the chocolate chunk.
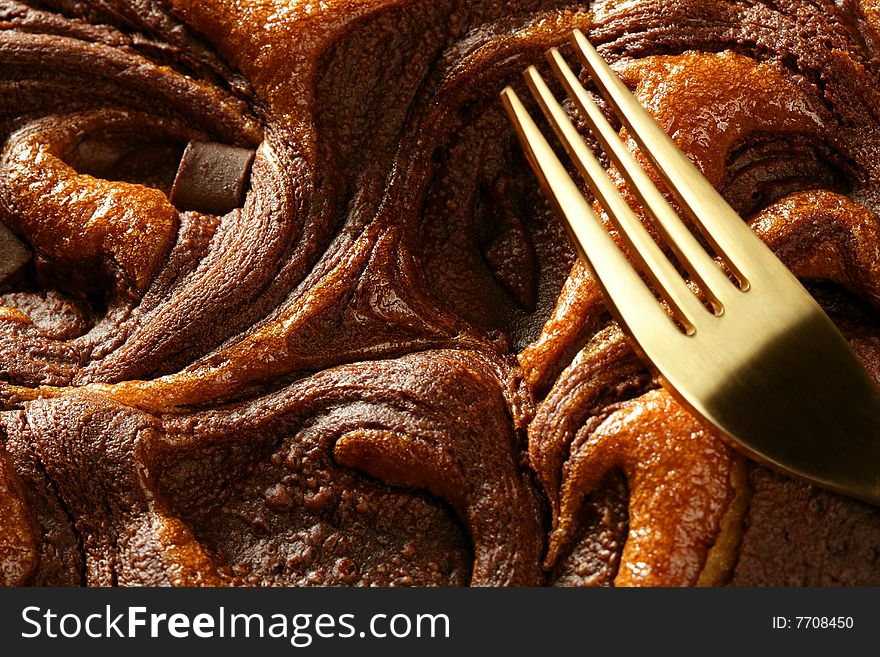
(13, 254)
(212, 177)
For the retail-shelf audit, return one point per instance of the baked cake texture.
(386, 366)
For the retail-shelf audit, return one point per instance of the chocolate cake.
(344, 341)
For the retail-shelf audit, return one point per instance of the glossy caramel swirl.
(386, 366)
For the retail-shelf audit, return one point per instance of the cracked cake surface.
(386, 366)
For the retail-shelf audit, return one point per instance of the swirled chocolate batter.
(377, 361)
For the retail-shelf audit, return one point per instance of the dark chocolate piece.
(212, 177)
(13, 254)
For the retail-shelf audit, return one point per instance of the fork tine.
(666, 280)
(690, 253)
(730, 237)
(634, 303)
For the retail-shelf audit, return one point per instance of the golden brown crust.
(18, 553)
(722, 556)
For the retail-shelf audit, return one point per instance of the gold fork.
(765, 365)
